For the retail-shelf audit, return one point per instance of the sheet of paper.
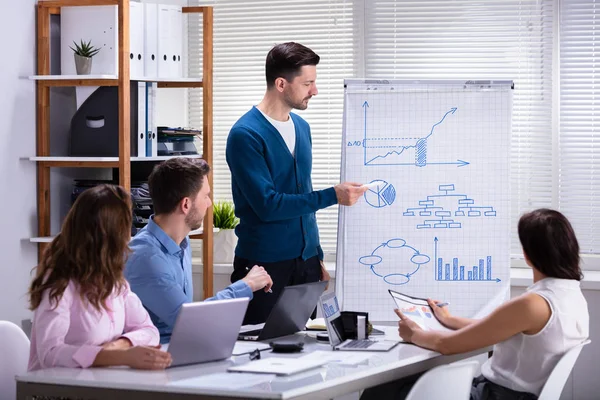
(339, 357)
(242, 347)
(278, 365)
(225, 380)
(317, 323)
(246, 328)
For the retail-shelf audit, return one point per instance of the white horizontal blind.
(469, 39)
(579, 165)
(244, 32)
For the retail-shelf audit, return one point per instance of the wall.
(17, 177)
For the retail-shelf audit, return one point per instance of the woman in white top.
(530, 332)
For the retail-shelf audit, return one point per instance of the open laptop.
(206, 331)
(335, 330)
(290, 313)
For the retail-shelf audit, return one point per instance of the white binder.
(164, 41)
(136, 40)
(170, 41)
(176, 69)
(141, 120)
(150, 40)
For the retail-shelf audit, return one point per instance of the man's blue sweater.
(272, 191)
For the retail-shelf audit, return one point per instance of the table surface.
(332, 379)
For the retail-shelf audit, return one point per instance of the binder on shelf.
(164, 40)
(141, 119)
(176, 69)
(136, 35)
(151, 136)
(170, 41)
(151, 40)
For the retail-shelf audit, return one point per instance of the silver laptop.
(335, 330)
(206, 331)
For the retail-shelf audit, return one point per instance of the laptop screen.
(332, 316)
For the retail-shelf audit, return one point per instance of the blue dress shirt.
(159, 272)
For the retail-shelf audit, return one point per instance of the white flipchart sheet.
(435, 221)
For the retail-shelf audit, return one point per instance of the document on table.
(248, 328)
(338, 357)
(242, 347)
(224, 380)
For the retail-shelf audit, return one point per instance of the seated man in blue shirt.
(159, 270)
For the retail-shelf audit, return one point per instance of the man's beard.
(302, 105)
(194, 220)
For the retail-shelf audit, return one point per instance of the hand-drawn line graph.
(381, 196)
(389, 251)
(479, 273)
(395, 150)
(435, 206)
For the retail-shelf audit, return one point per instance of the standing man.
(269, 153)
(159, 270)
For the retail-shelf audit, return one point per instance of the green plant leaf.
(224, 215)
(85, 49)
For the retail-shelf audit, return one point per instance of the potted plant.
(83, 54)
(225, 239)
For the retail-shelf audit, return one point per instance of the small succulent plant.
(85, 49)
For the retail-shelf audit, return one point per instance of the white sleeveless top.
(524, 362)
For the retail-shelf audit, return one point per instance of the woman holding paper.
(530, 332)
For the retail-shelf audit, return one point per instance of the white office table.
(325, 382)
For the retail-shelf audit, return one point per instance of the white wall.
(17, 177)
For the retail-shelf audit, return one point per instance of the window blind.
(244, 32)
(468, 39)
(579, 141)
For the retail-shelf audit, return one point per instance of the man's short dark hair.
(174, 179)
(550, 244)
(285, 61)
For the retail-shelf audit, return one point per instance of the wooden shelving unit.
(44, 81)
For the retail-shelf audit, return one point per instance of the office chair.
(558, 377)
(446, 380)
(14, 357)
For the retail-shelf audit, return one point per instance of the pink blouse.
(72, 334)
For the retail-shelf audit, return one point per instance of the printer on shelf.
(176, 141)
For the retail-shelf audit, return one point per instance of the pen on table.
(442, 304)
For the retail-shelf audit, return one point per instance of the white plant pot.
(224, 242)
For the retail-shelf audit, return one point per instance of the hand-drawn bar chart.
(457, 271)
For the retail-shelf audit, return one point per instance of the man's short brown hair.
(174, 179)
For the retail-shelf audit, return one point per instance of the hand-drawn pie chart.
(382, 195)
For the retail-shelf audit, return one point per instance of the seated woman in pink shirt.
(84, 313)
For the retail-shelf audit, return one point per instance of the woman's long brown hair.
(90, 250)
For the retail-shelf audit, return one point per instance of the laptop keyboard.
(359, 344)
